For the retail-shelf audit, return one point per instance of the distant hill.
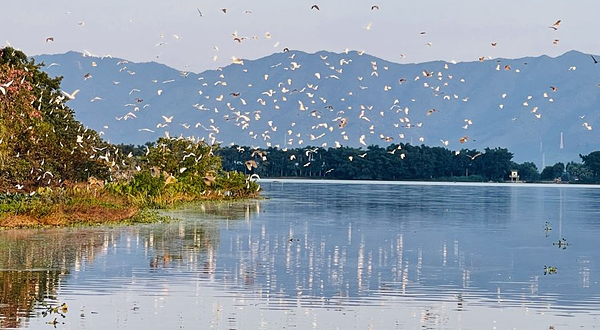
(295, 99)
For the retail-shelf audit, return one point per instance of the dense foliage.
(174, 170)
(41, 143)
(395, 162)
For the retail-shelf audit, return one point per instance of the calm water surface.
(321, 256)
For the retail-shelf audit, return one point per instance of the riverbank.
(431, 183)
(64, 207)
(128, 201)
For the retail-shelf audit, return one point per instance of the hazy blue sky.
(457, 30)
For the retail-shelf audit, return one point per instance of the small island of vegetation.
(56, 172)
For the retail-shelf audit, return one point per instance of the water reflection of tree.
(178, 243)
(20, 291)
(195, 242)
(32, 262)
(227, 210)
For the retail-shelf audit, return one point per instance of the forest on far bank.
(397, 162)
(406, 162)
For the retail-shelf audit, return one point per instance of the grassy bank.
(117, 203)
(62, 207)
(129, 199)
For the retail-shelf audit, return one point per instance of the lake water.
(322, 255)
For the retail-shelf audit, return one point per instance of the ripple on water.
(322, 256)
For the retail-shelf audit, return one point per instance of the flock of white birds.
(243, 114)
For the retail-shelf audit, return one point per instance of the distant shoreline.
(433, 183)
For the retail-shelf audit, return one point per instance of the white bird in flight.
(72, 95)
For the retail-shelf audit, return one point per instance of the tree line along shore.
(396, 162)
(406, 162)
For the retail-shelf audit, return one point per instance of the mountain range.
(542, 109)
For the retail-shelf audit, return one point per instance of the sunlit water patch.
(321, 255)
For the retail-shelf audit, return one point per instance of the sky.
(174, 33)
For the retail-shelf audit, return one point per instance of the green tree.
(43, 143)
(592, 163)
(579, 172)
(495, 164)
(553, 172)
(547, 173)
(527, 171)
(183, 157)
(558, 169)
